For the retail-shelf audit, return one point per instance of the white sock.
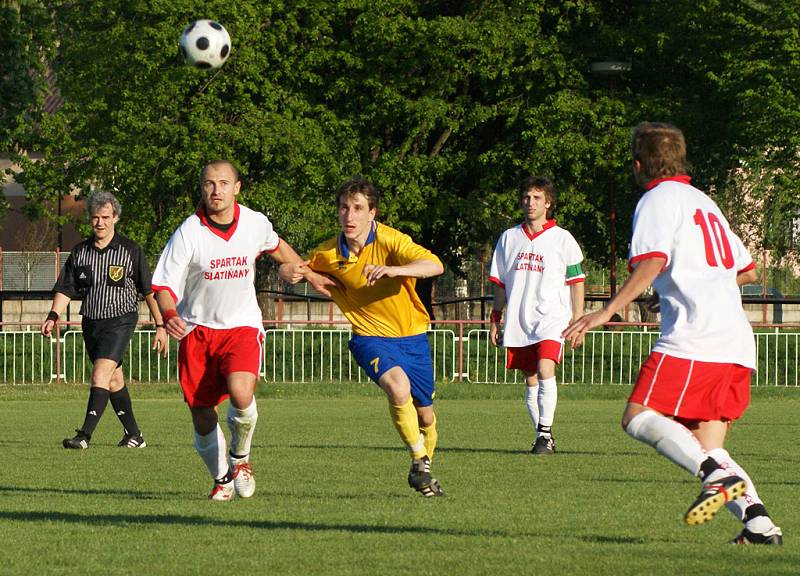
(548, 398)
(213, 451)
(242, 424)
(669, 438)
(532, 403)
(739, 506)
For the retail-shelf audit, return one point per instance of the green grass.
(332, 496)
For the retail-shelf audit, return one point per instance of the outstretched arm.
(294, 269)
(642, 276)
(417, 269)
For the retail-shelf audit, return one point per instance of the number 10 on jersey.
(718, 247)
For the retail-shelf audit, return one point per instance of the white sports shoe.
(243, 479)
(222, 492)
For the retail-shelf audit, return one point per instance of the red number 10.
(711, 226)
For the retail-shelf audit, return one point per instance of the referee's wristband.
(496, 316)
(168, 315)
(52, 315)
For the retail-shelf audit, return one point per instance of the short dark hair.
(660, 149)
(219, 162)
(359, 185)
(544, 184)
(99, 199)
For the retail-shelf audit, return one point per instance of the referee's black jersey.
(108, 280)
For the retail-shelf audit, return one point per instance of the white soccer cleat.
(222, 492)
(243, 479)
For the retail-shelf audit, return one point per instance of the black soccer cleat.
(773, 536)
(79, 442)
(544, 445)
(131, 441)
(713, 497)
(420, 479)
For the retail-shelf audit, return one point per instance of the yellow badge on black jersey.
(116, 274)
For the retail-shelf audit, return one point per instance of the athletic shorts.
(206, 356)
(376, 355)
(527, 357)
(108, 337)
(692, 390)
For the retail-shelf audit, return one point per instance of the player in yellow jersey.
(376, 268)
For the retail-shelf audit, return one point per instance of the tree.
(25, 42)
(445, 105)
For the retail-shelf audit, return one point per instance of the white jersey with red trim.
(701, 308)
(210, 273)
(536, 270)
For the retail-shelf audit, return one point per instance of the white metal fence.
(322, 355)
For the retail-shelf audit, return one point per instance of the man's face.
(534, 205)
(219, 188)
(103, 221)
(355, 216)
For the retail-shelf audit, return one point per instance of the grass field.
(332, 496)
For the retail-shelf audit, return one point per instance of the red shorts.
(206, 356)
(691, 389)
(527, 358)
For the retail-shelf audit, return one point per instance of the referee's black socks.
(121, 402)
(98, 398)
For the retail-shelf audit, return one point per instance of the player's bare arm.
(60, 303)
(416, 269)
(499, 303)
(174, 324)
(161, 341)
(285, 254)
(577, 292)
(643, 275)
(295, 272)
(748, 277)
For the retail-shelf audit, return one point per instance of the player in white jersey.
(696, 380)
(207, 269)
(536, 269)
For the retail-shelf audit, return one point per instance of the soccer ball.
(205, 44)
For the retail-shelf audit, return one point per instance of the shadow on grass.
(603, 539)
(199, 521)
(450, 449)
(133, 494)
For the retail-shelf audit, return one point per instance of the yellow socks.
(431, 436)
(405, 420)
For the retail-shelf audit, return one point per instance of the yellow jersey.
(390, 307)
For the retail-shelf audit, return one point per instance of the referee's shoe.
(79, 442)
(132, 441)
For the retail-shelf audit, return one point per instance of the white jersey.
(536, 270)
(211, 273)
(701, 307)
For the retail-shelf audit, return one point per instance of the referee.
(107, 272)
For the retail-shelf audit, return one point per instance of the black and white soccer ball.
(205, 44)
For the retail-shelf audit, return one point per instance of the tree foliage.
(445, 105)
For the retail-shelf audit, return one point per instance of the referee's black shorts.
(109, 337)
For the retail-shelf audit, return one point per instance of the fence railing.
(461, 351)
